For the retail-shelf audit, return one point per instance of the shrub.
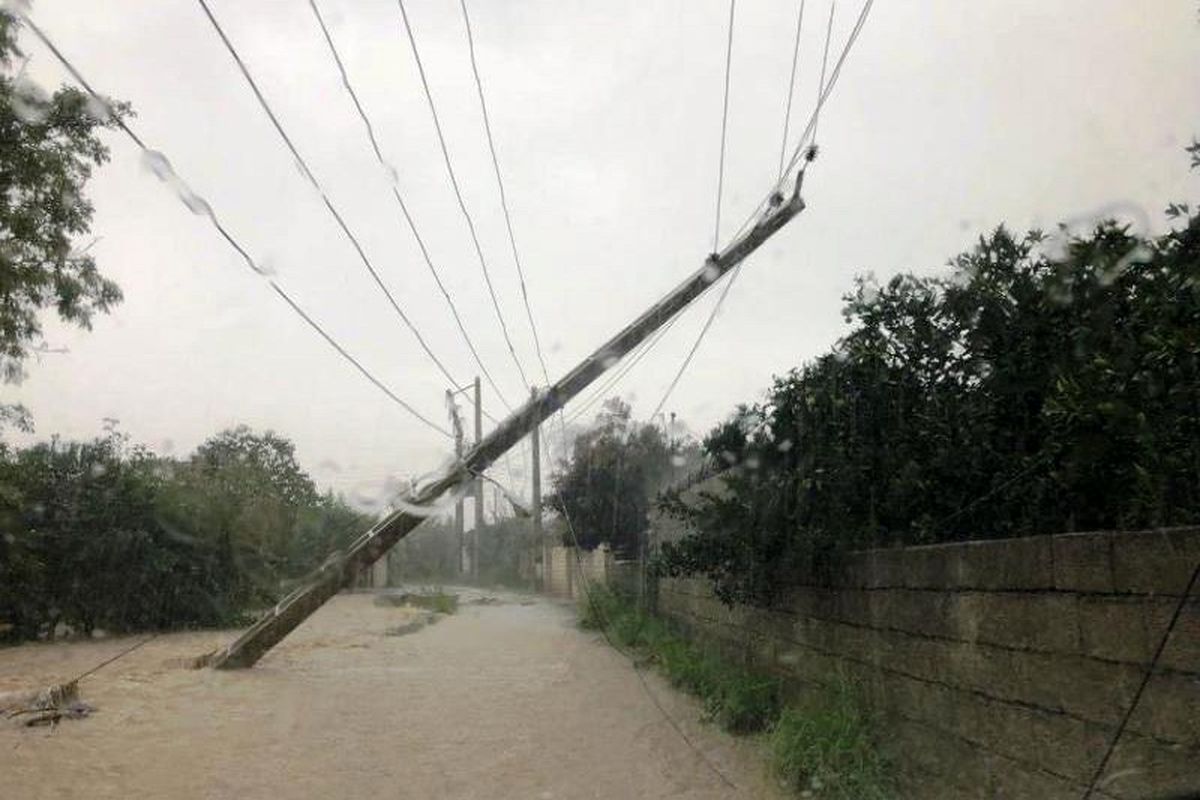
(827, 748)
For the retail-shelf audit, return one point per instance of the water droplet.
(29, 102)
(194, 202)
(711, 273)
(609, 361)
(98, 109)
(157, 164)
(97, 470)
(729, 457)
(785, 445)
(678, 460)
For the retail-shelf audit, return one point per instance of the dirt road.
(498, 701)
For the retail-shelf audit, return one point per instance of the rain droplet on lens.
(157, 164)
(98, 109)
(194, 202)
(785, 445)
(29, 102)
(711, 273)
(678, 460)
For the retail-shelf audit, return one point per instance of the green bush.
(827, 748)
(1046, 384)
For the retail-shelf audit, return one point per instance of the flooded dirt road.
(507, 700)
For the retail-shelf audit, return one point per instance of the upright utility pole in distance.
(456, 423)
(535, 443)
(478, 486)
(341, 567)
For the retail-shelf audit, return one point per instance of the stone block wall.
(1000, 669)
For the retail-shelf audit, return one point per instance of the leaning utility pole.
(478, 487)
(341, 567)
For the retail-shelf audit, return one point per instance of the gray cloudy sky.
(950, 118)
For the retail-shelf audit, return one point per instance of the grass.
(437, 600)
(824, 749)
(827, 748)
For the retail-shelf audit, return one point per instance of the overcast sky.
(950, 118)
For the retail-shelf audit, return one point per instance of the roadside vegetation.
(107, 535)
(821, 748)
(1047, 383)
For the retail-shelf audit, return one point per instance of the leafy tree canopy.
(49, 145)
(1049, 383)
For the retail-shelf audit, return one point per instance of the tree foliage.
(1047, 384)
(615, 468)
(49, 146)
(105, 534)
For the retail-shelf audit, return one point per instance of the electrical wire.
(787, 114)
(337, 59)
(810, 129)
(824, 65)
(724, 126)
(638, 353)
(241, 251)
(1137, 696)
(605, 625)
(308, 174)
(461, 203)
(487, 126)
(687, 360)
(802, 145)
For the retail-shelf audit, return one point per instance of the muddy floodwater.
(500, 700)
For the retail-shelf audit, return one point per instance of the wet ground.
(500, 700)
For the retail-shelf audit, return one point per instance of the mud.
(497, 701)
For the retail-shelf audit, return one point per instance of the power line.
(787, 114)
(461, 203)
(241, 251)
(801, 145)
(1137, 696)
(810, 129)
(605, 625)
(399, 199)
(828, 90)
(304, 169)
(824, 64)
(640, 352)
(724, 123)
(537, 342)
(687, 360)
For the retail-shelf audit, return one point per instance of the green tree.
(49, 146)
(615, 468)
(1042, 386)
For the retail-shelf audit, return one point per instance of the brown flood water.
(497, 701)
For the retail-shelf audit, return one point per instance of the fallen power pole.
(341, 567)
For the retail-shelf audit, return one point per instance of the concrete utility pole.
(456, 423)
(341, 567)
(478, 486)
(535, 444)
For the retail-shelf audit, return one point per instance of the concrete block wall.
(999, 668)
(568, 564)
